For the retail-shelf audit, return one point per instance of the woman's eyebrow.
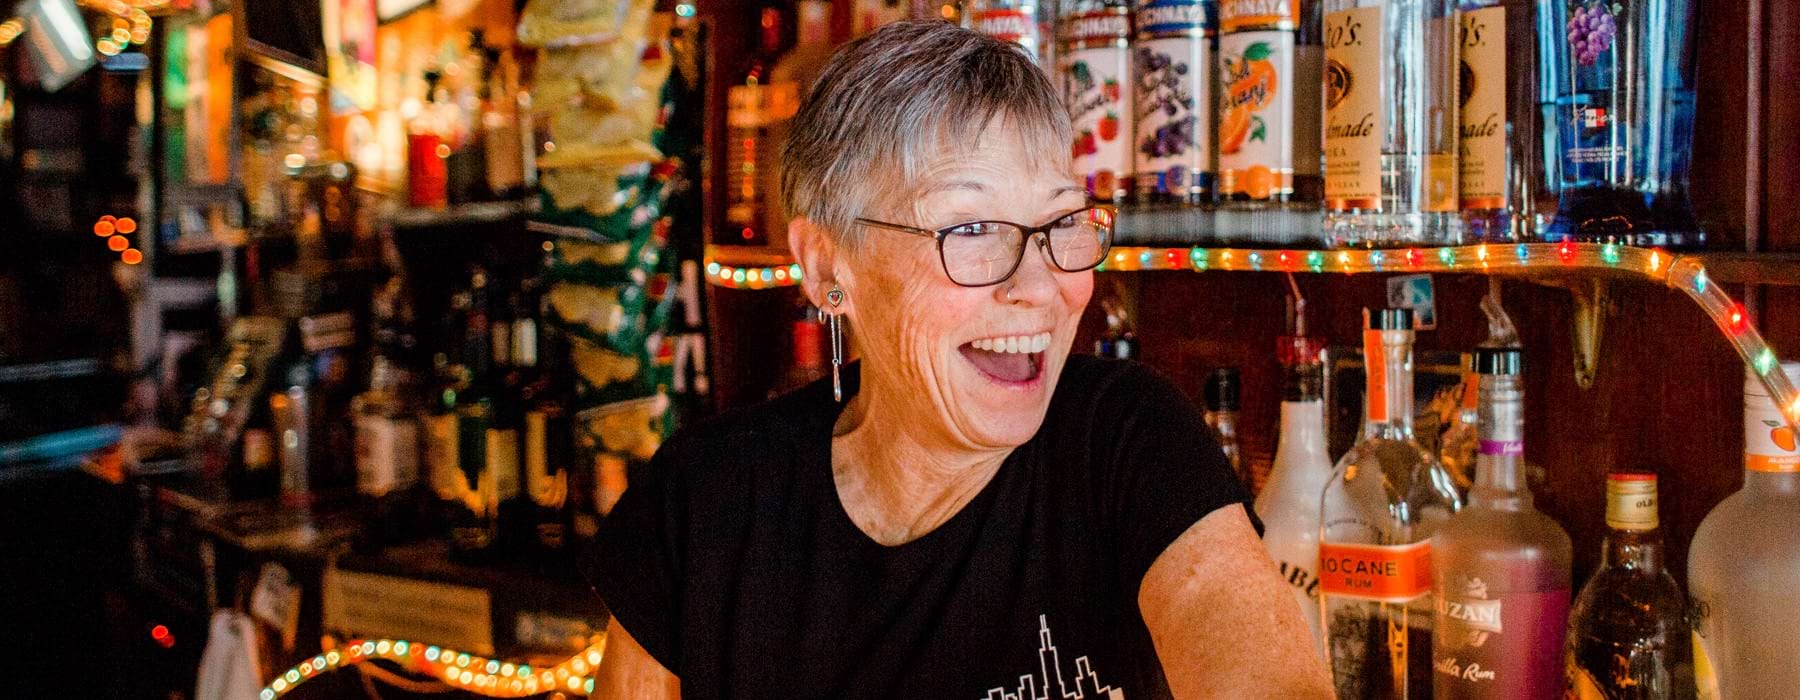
(1066, 189)
(954, 185)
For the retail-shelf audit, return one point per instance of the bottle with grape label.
(1628, 633)
(1270, 61)
(1501, 567)
(1616, 92)
(1289, 503)
(1094, 58)
(1172, 60)
(1387, 497)
(1391, 123)
(1746, 625)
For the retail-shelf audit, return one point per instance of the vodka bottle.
(1269, 63)
(1501, 567)
(1289, 504)
(1386, 499)
(1744, 562)
(1172, 66)
(1391, 123)
(1628, 635)
(1500, 173)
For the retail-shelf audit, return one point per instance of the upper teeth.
(1015, 343)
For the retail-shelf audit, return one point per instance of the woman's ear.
(816, 251)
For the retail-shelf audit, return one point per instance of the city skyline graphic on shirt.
(1046, 686)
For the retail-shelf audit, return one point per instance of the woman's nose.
(1034, 283)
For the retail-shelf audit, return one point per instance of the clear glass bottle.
(1270, 61)
(1501, 174)
(1289, 503)
(1172, 67)
(1501, 568)
(1386, 499)
(1628, 633)
(1391, 123)
(1094, 56)
(1222, 404)
(1744, 562)
(1617, 84)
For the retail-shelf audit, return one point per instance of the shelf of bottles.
(482, 676)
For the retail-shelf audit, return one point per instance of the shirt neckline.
(820, 437)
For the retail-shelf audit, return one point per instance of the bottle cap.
(1502, 361)
(1391, 320)
(1222, 389)
(1631, 501)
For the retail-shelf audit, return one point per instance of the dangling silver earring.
(835, 298)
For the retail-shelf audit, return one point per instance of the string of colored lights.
(1685, 273)
(460, 670)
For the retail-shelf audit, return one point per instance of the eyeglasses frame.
(1041, 233)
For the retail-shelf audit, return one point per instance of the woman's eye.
(969, 230)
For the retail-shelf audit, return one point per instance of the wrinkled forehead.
(1004, 153)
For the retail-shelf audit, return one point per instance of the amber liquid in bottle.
(1628, 636)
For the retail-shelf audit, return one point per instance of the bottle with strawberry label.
(1027, 23)
(1270, 64)
(1095, 64)
(1172, 73)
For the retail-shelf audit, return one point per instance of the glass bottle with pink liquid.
(1501, 567)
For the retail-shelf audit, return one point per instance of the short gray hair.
(890, 102)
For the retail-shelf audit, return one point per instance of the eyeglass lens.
(986, 252)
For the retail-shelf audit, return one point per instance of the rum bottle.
(1095, 63)
(1501, 567)
(1172, 66)
(1391, 123)
(1745, 560)
(1387, 497)
(1628, 635)
(1270, 61)
(1289, 503)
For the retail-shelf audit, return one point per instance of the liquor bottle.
(548, 433)
(487, 438)
(756, 107)
(1744, 618)
(1094, 54)
(1270, 61)
(1027, 23)
(1386, 499)
(1289, 503)
(806, 363)
(1222, 404)
(387, 456)
(290, 414)
(1617, 97)
(1118, 341)
(1500, 567)
(427, 147)
(1391, 123)
(1500, 176)
(1172, 70)
(1628, 634)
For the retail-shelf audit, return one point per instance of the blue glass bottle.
(1616, 90)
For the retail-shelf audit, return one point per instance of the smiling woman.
(970, 512)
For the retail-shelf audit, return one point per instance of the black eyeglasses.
(983, 253)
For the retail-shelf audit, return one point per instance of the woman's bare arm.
(628, 671)
(1222, 619)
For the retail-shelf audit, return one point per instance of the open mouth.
(1013, 359)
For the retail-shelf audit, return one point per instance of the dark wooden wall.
(1668, 392)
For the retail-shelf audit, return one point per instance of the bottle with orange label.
(1745, 621)
(1094, 60)
(1628, 632)
(1391, 123)
(1269, 66)
(1386, 499)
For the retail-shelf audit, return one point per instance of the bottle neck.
(1388, 358)
(1302, 425)
(1633, 550)
(1499, 466)
(1772, 483)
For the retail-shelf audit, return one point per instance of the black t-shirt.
(733, 562)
